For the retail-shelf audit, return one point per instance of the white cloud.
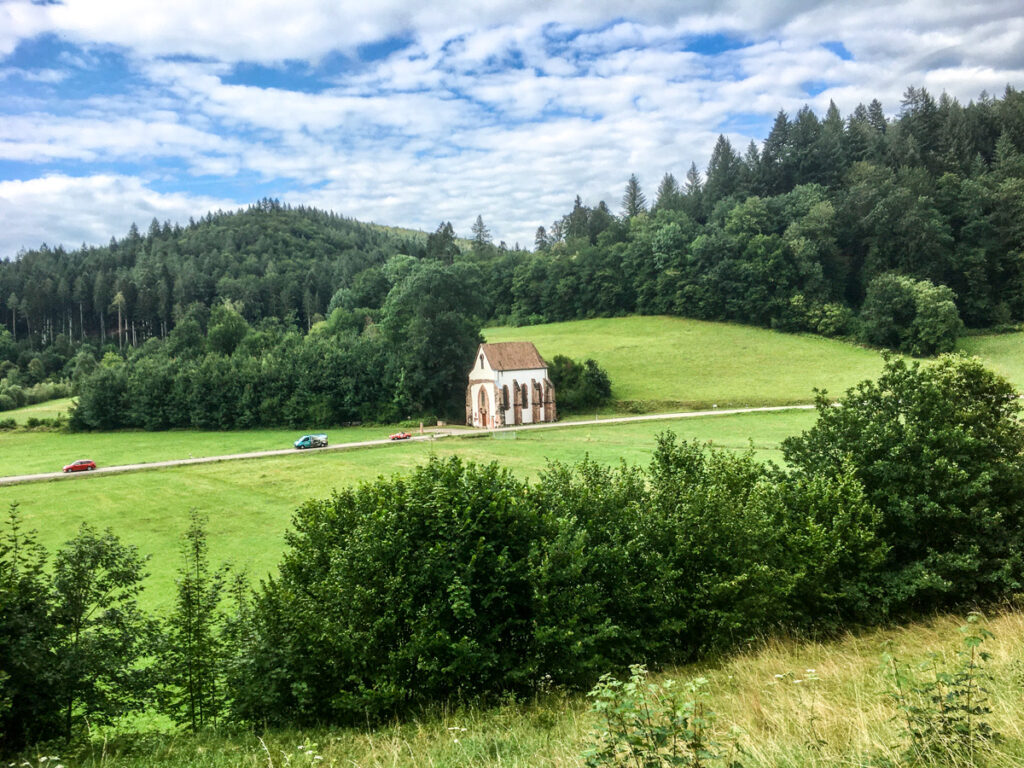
(91, 209)
(493, 108)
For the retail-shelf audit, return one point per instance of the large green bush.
(939, 450)
(460, 581)
(912, 316)
(398, 593)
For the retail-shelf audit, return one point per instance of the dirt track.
(15, 479)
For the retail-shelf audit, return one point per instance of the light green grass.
(51, 409)
(1003, 353)
(672, 362)
(250, 502)
(27, 452)
(838, 714)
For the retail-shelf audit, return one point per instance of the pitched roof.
(513, 356)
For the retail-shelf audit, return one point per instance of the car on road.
(311, 441)
(82, 465)
(399, 436)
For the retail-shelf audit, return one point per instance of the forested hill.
(898, 231)
(270, 260)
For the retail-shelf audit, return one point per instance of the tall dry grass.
(799, 703)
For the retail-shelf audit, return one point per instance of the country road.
(16, 479)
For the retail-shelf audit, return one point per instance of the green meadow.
(249, 502)
(659, 363)
(1003, 353)
(51, 409)
(28, 452)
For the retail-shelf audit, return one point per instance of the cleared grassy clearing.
(51, 409)
(1003, 353)
(29, 452)
(837, 715)
(670, 362)
(250, 502)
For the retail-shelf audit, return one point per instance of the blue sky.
(114, 111)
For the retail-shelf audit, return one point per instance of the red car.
(399, 436)
(82, 465)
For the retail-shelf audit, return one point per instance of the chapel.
(509, 385)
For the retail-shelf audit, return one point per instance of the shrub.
(579, 386)
(652, 725)
(912, 316)
(398, 593)
(944, 712)
(939, 450)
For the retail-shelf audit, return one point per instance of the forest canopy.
(897, 231)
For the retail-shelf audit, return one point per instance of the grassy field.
(670, 362)
(1004, 353)
(797, 704)
(250, 502)
(51, 409)
(45, 451)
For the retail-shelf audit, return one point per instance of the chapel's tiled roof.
(513, 356)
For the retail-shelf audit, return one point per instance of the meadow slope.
(796, 704)
(250, 502)
(665, 363)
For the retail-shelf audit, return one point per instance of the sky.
(413, 113)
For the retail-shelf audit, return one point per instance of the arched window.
(525, 395)
(504, 398)
(481, 361)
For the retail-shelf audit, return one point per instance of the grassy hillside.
(51, 409)
(250, 502)
(798, 704)
(1003, 353)
(669, 362)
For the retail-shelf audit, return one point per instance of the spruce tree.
(633, 199)
(191, 651)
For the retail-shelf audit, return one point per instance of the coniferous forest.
(897, 231)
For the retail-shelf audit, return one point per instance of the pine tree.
(540, 240)
(668, 198)
(191, 652)
(723, 171)
(633, 200)
(481, 235)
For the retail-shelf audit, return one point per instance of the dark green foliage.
(190, 653)
(347, 368)
(100, 635)
(939, 450)
(398, 593)
(579, 387)
(944, 711)
(461, 582)
(912, 316)
(30, 706)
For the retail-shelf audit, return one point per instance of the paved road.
(15, 479)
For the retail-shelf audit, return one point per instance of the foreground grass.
(838, 714)
(250, 502)
(658, 363)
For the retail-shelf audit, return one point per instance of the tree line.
(897, 231)
(460, 582)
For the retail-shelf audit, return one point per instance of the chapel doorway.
(484, 411)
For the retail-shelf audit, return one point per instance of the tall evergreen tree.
(634, 201)
(724, 174)
(191, 654)
(668, 194)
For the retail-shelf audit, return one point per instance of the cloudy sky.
(411, 113)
